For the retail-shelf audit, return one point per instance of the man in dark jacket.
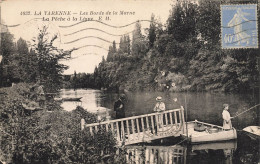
(119, 108)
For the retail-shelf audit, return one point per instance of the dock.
(143, 128)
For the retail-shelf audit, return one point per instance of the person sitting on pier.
(159, 107)
(226, 118)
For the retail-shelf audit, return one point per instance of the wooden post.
(82, 123)
(91, 130)
(170, 118)
(147, 123)
(183, 120)
(166, 119)
(127, 127)
(175, 119)
(133, 127)
(152, 124)
(157, 125)
(142, 122)
(137, 126)
(117, 130)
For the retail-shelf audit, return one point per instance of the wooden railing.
(143, 127)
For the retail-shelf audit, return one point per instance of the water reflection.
(156, 154)
(91, 99)
(203, 153)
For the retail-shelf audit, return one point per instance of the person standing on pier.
(119, 108)
(159, 107)
(226, 118)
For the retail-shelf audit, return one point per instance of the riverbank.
(48, 136)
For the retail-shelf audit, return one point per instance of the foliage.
(41, 63)
(187, 50)
(49, 136)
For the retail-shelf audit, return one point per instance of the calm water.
(205, 107)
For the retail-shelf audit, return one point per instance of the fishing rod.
(246, 110)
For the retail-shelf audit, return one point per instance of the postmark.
(239, 26)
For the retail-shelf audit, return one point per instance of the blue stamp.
(239, 26)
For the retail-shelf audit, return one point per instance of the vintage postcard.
(129, 81)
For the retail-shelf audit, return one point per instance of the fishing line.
(246, 110)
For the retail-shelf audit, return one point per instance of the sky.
(23, 20)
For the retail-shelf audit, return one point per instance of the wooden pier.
(143, 128)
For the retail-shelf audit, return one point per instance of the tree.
(48, 57)
(182, 20)
(7, 48)
(152, 30)
(138, 44)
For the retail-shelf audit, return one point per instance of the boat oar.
(245, 111)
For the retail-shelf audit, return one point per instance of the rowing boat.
(68, 99)
(71, 98)
(253, 132)
(199, 132)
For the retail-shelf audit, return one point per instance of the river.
(206, 107)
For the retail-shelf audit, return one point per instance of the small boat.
(67, 99)
(71, 99)
(253, 132)
(199, 132)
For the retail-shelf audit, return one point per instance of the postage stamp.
(239, 26)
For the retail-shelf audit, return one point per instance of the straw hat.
(159, 98)
(122, 96)
(225, 105)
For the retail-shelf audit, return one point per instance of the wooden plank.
(166, 118)
(129, 118)
(153, 131)
(127, 128)
(157, 125)
(133, 127)
(91, 130)
(106, 127)
(162, 121)
(117, 130)
(170, 118)
(183, 120)
(122, 129)
(180, 119)
(147, 123)
(137, 126)
(175, 119)
(112, 127)
(142, 123)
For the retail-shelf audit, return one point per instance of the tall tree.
(152, 30)
(48, 57)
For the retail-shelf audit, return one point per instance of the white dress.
(226, 120)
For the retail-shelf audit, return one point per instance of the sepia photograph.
(129, 82)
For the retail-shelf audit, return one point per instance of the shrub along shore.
(49, 135)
